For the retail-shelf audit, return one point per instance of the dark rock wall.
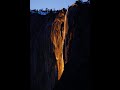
(77, 75)
(43, 62)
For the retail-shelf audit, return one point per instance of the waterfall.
(58, 35)
(65, 32)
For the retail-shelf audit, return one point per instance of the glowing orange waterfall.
(58, 34)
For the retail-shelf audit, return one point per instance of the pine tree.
(46, 10)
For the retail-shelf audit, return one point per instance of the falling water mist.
(58, 33)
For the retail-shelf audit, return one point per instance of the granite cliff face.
(77, 70)
(60, 45)
(47, 39)
(43, 61)
(78, 31)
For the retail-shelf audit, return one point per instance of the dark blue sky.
(50, 4)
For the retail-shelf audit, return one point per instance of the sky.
(51, 4)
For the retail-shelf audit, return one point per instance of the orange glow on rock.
(57, 37)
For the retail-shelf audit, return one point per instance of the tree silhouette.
(37, 11)
(46, 10)
(78, 2)
(50, 10)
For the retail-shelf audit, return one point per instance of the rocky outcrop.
(76, 73)
(78, 31)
